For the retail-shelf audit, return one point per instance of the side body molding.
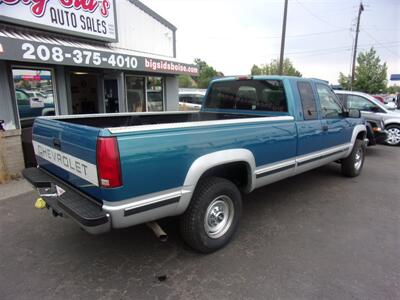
(208, 161)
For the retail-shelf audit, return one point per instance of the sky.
(232, 35)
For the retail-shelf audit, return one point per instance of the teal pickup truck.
(110, 171)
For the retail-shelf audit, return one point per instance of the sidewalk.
(14, 188)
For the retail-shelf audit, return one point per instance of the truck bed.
(137, 119)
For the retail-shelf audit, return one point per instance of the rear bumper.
(69, 202)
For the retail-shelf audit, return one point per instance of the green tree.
(273, 68)
(370, 75)
(344, 81)
(256, 70)
(186, 81)
(206, 73)
(393, 89)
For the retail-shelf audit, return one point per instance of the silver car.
(372, 109)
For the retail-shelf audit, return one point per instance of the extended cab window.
(330, 107)
(360, 103)
(258, 95)
(307, 100)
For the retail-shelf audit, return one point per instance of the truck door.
(337, 128)
(310, 133)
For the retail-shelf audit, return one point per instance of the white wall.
(141, 32)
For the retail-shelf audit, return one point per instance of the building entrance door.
(135, 93)
(111, 102)
(84, 93)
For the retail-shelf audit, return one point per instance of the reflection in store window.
(34, 93)
(155, 94)
(135, 93)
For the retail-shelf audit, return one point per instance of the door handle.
(325, 127)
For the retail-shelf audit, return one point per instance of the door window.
(111, 95)
(307, 101)
(360, 103)
(155, 94)
(135, 96)
(330, 107)
(84, 96)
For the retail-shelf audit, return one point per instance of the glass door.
(135, 93)
(111, 95)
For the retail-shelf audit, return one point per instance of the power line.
(379, 43)
(266, 37)
(336, 49)
(316, 16)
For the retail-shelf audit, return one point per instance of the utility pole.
(353, 68)
(283, 38)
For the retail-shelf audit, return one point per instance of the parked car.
(119, 170)
(154, 100)
(376, 132)
(191, 99)
(374, 111)
(45, 98)
(31, 107)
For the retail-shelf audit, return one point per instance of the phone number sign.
(30, 51)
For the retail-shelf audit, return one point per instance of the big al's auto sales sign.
(89, 18)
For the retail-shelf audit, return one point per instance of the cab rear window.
(257, 95)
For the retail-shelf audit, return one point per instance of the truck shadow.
(133, 257)
(138, 244)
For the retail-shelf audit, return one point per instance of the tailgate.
(68, 151)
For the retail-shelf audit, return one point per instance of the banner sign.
(95, 19)
(38, 52)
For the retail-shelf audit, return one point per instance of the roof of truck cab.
(268, 77)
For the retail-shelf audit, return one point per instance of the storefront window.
(135, 96)
(155, 94)
(34, 94)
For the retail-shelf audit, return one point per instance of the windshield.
(257, 95)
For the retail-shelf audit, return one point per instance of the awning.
(49, 48)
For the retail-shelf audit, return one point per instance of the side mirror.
(354, 113)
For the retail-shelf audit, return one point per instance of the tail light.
(108, 162)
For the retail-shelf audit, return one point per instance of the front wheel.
(353, 164)
(393, 138)
(213, 215)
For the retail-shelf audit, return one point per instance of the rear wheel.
(393, 138)
(213, 215)
(353, 164)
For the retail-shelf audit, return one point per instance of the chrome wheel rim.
(219, 217)
(358, 159)
(393, 136)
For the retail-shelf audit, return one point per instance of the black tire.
(352, 165)
(395, 131)
(216, 191)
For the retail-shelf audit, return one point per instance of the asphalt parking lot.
(315, 236)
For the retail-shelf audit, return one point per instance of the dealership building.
(80, 57)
